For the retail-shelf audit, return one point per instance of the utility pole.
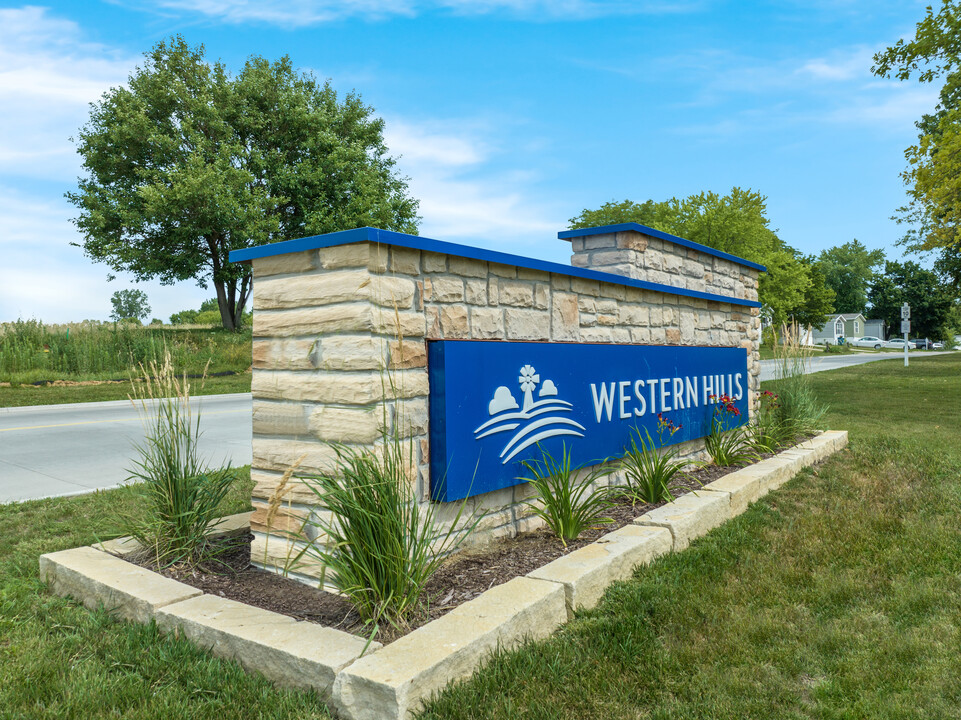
(905, 328)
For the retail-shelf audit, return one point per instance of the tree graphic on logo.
(536, 419)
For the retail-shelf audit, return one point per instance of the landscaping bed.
(464, 577)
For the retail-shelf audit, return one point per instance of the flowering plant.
(650, 472)
(728, 446)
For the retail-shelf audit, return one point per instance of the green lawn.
(838, 596)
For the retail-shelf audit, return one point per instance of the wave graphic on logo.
(534, 418)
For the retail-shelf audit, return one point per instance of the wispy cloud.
(462, 194)
(301, 13)
(48, 76)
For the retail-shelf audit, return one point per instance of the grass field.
(838, 596)
(46, 365)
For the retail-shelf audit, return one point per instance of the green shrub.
(837, 349)
(567, 504)
(650, 473)
(381, 546)
(799, 411)
(181, 494)
(208, 317)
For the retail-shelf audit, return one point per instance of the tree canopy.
(849, 270)
(908, 282)
(933, 175)
(129, 304)
(187, 163)
(736, 223)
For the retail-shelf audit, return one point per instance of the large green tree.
(933, 175)
(910, 283)
(736, 223)
(187, 163)
(849, 270)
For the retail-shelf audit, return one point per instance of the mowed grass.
(838, 596)
(59, 660)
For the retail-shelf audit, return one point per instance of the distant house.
(847, 325)
(876, 328)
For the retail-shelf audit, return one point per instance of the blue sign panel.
(493, 403)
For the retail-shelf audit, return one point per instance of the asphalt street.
(821, 363)
(54, 450)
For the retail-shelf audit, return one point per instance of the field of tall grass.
(31, 351)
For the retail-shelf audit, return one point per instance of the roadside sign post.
(905, 328)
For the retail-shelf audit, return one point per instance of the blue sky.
(509, 116)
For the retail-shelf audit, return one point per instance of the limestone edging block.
(99, 579)
(586, 572)
(227, 525)
(391, 683)
(690, 516)
(284, 650)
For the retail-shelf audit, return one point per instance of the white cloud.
(48, 77)
(463, 198)
(301, 13)
(848, 64)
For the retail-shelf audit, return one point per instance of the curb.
(391, 682)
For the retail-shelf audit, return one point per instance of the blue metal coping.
(637, 227)
(415, 242)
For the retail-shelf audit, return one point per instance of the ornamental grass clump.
(566, 498)
(379, 546)
(651, 472)
(180, 494)
(728, 445)
(799, 411)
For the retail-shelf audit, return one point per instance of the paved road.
(53, 450)
(820, 363)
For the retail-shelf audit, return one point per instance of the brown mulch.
(462, 578)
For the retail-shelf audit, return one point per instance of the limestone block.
(398, 324)
(98, 579)
(118, 546)
(267, 483)
(354, 426)
(641, 336)
(405, 261)
(605, 258)
(524, 273)
(586, 572)
(410, 417)
(690, 516)
(298, 262)
(434, 262)
(453, 321)
(493, 291)
(468, 267)
(582, 260)
(560, 282)
(621, 335)
(687, 323)
(285, 521)
(273, 418)
(475, 292)
(504, 271)
(354, 317)
(312, 290)
(588, 319)
(392, 682)
(609, 320)
(487, 323)
(230, 525)
(408, 354)
(283, 354)
(564, 317)
(285, 651)
(447, 289)
(350, 352)
(597, 334)
(673, 335)
(361, 388)
(742, 486)
(526, 324)
(542, 296)
(280, 455)
(284, 556)
(516, 293)
(583, 286)
(634, 315)
(343, 256)
(586, 304)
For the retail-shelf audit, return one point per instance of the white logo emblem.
(505, 415)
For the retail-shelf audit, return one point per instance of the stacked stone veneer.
(339, 350)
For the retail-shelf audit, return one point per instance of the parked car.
(923, 344)
(898, 344)
(867, 341)
(937, 346)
